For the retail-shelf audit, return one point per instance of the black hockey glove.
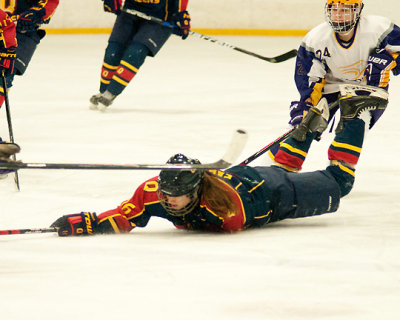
(7, 61)
(84, 223)
(7, 149)
(182, 20)
(29, 20)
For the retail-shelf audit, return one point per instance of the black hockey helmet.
(175, 183)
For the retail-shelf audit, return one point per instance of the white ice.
(189, 99)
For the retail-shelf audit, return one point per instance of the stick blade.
(283, 57)
(235, 147)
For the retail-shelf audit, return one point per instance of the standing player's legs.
(146, 41)
(359, 110)
(123, 30)
(132, 60)
(291, 154)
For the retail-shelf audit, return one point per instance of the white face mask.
(342, 17)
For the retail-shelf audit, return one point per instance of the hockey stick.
(10, 129)
(283, 57)
(26, 231)
(233, 151)
(267, 147)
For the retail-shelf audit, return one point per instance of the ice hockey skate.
(94, 101)
(105, 100)
(101, 101)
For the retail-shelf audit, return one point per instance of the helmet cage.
(349, 10)
(194, 197)
(176, 183)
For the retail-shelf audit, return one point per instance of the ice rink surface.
(189, 99)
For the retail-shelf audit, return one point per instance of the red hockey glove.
(182, 20)
(7, 61)
(112, 6)
(84, 223)
(29, 20)
(380, 63)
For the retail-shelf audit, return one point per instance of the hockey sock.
(107, 72)
(112, 57)
(292, 153)
(273, 151)
(130, 63)
(348, 143)
(344, 176)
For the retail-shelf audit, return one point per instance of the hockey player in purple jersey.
(132, 40)
(350, 48)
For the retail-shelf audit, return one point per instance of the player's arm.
(130, 213)
(124, 218)
(8, 31)
(309, 78)
(113, 6)
(181, 17)
(7, 45)
(50, 6)
(29, 20)
(384, 60)
(380, 63)
(309, 75)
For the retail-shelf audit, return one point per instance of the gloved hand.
(29, 19)
(298, 109)
(182, 20)
(7, 149)
(380, 63)
(112, 6)
(7, 61)
(84, 223)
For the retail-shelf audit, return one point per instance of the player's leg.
(129, 65)
(147, 41)
(360, 107)
(124, 28)
(293, 151)
(318, 192)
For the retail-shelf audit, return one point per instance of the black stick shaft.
(283, 57)
(89, 166)
(10, 129)
(267, 147)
